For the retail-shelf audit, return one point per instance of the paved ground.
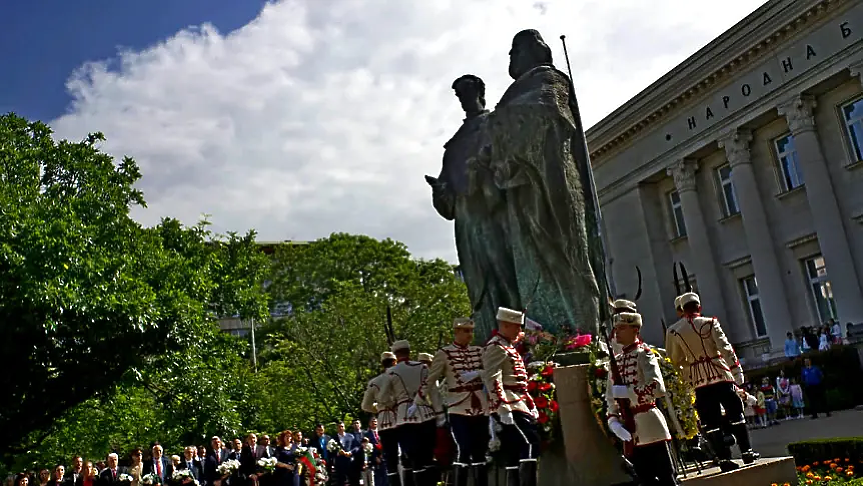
(772, 441)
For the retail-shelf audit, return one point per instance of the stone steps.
(765, 471)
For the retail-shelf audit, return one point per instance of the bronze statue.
(465, 193)
(534, 176)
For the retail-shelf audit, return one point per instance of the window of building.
(726, 187)
(822, 292)
(677, 214)
(852, 113)
(789, 163)
(753, 303)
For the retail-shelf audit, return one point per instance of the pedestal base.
(584, 456)
(768, 470)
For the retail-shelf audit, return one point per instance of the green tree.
(89, 295)
(320, 358)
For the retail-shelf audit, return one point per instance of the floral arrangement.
(181, 476)
(124, 478)
(228, 467)
(267, 464)
(334, 446)
(151, 480)
(540, 386)
(829, 472)
(321, 476)
(368, 448)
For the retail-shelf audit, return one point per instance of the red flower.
(544, 387)
(541, 402)
(547, 371)
(543, 418)
(531, 386)
(601, 373)
(583, 340)
(553, 406)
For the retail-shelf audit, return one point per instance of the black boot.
(527, 473)
(409, 478)
(480, 475)
(741, 433)
(394, 479)
(459, 475)
(716, 439)
(512, 476)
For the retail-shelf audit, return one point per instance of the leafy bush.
(810, 451)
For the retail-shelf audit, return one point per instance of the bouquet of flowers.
(151, 480)
(228, 467)
(334, 446)
(540, 387)
(181, 476)
(124, 478)
(268, 464)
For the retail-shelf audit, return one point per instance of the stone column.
(825, 209)
(700, 249)
(768, 273)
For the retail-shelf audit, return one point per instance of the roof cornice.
(722, 59)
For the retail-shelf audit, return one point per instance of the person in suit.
(379, 470)
(110, 475)
(319, 441)
(264, 449)
(217, 456)
(191, 463)
(57, 477)
(75, 471)
(159, 465)
(346, 470)
(248, 462)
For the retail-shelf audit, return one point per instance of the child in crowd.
(749, 402)
(368, 475)
(769, 401)
(797, 397)
(760, 408)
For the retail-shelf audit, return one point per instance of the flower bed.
(843, 457)
(829, 472)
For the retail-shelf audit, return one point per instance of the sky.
(302, 118)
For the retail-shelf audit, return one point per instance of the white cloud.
(324, 116)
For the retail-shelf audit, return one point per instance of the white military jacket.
(463, 396)
(371, 403)
(639, 371)
(405, 386)
(506, 378)
(698, 346)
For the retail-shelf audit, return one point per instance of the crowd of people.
(785, 398)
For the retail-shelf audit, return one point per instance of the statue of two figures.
(515, 188)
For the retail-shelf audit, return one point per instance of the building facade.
(745, 163)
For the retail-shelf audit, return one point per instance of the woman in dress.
(783, 390)
(286, 467)
(136, 466)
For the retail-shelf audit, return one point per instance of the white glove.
(620, 392)
(619, 430)
(412, 410)
(470, 375)
(441, 420)
(739, 378)
(506, 418)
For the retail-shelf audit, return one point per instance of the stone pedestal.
(587, 457)
(771, 470)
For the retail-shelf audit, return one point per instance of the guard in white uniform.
(509, 402)
(386, 417)
(458, 367)
(708, 362)
(642, 386)
(404, 391)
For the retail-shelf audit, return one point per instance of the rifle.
(388, 327)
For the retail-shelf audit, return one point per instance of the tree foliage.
(90, 296)
(324, 353)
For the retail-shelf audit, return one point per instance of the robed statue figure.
(465, 192)
(532, 156)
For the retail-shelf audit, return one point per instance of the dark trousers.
(708, 400)
(653, 465)
(418, 442)
(390, 445)
(470, 434)
(520, 441)
(817, 399)
(347, 474)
